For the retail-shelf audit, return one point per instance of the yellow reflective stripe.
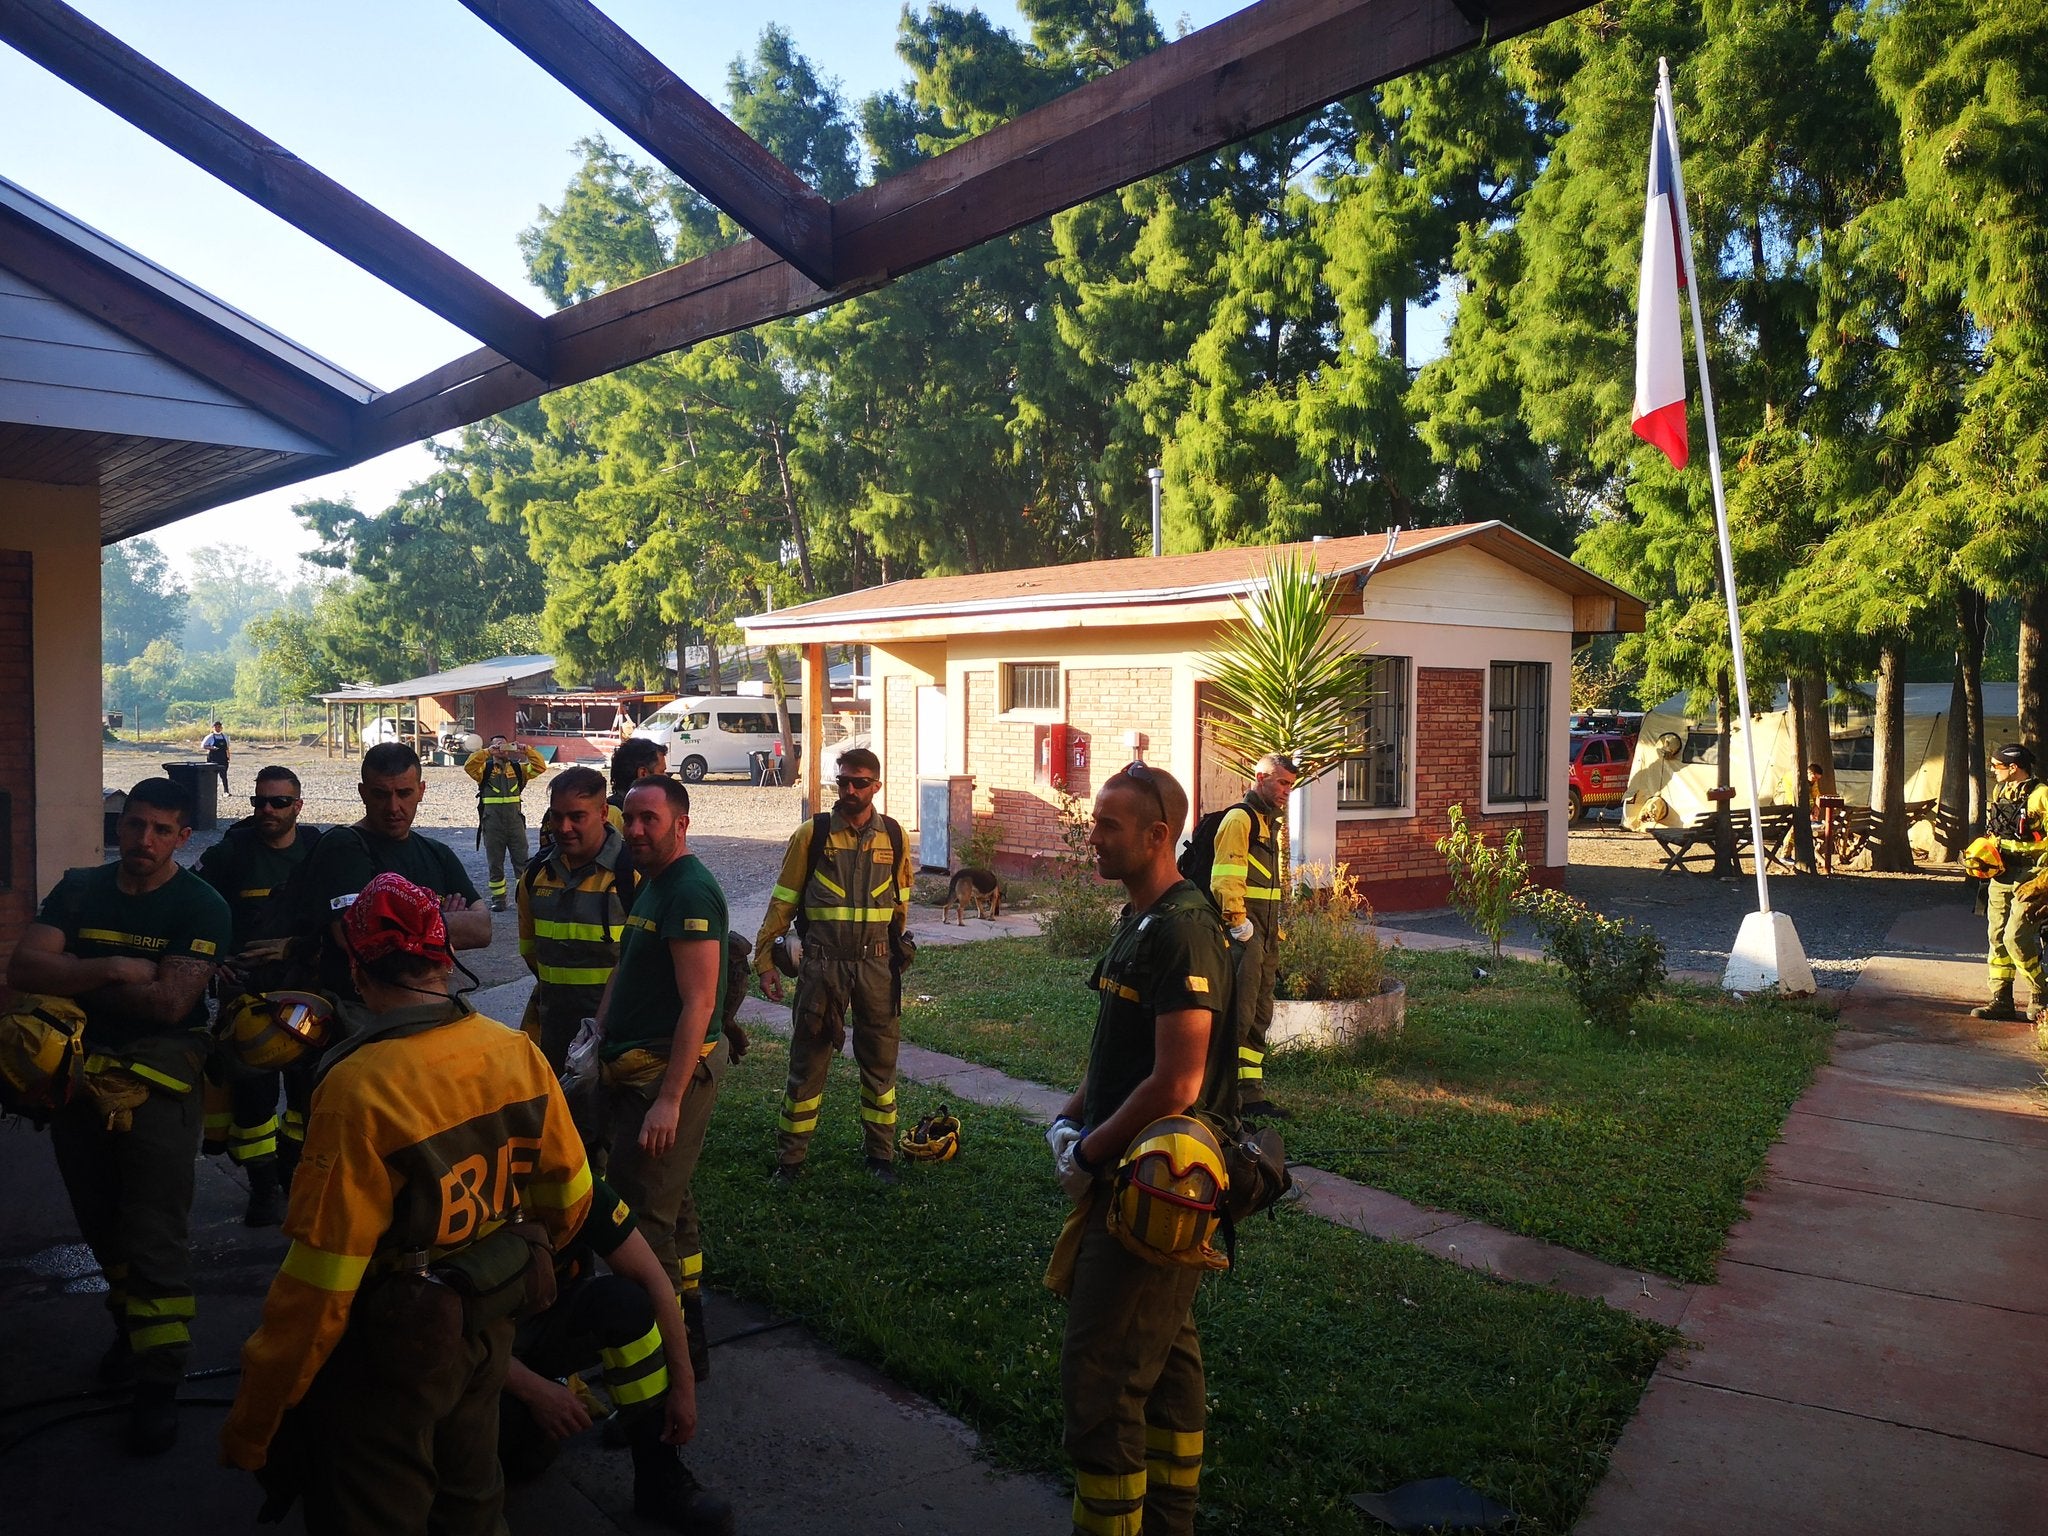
(878, 1116)
(253, 895)
(1222, 871)
(1256, 893)
(1110, 1487)
(501, 800)
(1253, 860)
(1246, 1053)
(318, 1267)
(573, 975)
(653, 1384)
(830, 884)
(559, 1196)
(158, 1336)
(797, 1127)
(1174, 1475)
(891, 880)
(798, 1106)
(592, 933)
(160, 1306)
(258, 1130)
(1173, 1442)
(150, 1074)
(219, 1121)
(632, 1354)
(249, 1151)
(783, 893)
(850, 914)
(903, 893)
(1251, 1074)
(886, 1096)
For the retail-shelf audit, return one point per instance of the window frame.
(1403, 754)
(1525, 701)
(1008, 709)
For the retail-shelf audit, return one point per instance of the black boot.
(117, 1365)
(2000, 1005)
(665, 1490)
(153, 1418)
(693, 1323)
(266, 1194)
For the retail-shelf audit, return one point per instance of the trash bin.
(202, 782)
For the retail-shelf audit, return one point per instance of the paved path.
(1874, 1355)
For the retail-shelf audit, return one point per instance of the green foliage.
(1484, 876)
(982, 843)
(1328, 947)
(1080, 908)
(1610, 963)
(140, 600)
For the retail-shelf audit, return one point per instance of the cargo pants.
(826, 989)
(659, 1188)
(504, 836)
(2015, 943)
(131, 1192)
(602, 1320)
(1132, 1385)
(1257, 962)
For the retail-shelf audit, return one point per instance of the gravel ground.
(1842, 920)
(738, 830)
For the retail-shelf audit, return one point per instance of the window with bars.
(1518, 730)
(1031, 687)
(1377, 779)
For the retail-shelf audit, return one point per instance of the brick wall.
(17, 745)
(1101, 704)
(1396, 859)
(899, 763)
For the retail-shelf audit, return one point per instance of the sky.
(415, 106)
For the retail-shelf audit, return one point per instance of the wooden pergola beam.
(102, 66)
(1270, 62)
(604, 65)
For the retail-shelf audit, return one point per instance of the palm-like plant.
(1287, 678)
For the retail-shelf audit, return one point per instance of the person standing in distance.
(849, 900)
(249, 867)
(215, 745)
(2018, 819)
(502, 771)
(136, 943)
(637, 758)
(1245, 881)
(573, 900)
(1131, 1364)
(664, 1052)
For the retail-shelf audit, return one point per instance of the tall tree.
(140, 599)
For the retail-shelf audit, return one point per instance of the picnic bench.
(1700, 837)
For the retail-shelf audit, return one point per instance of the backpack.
(820, 825)
(1198, 854)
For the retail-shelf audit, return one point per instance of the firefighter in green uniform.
(502, 771)
(249, 867)
(573, 901)
(664, 1051)
(849, 896)
(1131, 1364)
(2018, 820)
(135, 943)
(1245, 880)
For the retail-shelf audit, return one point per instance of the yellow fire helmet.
(934, 1139)
(267, 1030)
(1982, 858)
(41, 1046)
(1167, 1199)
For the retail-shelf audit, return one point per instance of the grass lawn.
(1498, 1101)
(1335, 1364)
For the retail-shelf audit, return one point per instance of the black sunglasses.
(1141, 773)
(273, 802)
(848, 781)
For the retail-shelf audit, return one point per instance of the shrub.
(1610, 963)
(1325, 951)
(1484, 879)
(1080, 908)
(982, 842)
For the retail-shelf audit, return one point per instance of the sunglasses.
(273, 802)
(1141, 773)
(849, 781)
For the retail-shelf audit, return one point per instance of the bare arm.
(41, 965)
(697, 964)
(635, 1259)
(1179, 1051)
(469, 923)
(169, 997)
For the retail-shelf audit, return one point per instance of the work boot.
(266, 1195)
(497, 903)
(153, 1418)
(882, 1171)
(117, 1365)
(784, 1175)
(665, 1490)
(693, 1324)
(2000, 1005)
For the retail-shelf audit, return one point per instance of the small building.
(999, 694)
(505, 696)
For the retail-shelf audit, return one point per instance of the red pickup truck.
(1601, 764)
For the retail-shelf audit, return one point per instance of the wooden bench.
(1683, 844)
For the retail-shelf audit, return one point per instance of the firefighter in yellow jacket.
(502, 771)
(573, 901)
(434, 1131)
(1245, 880)
(2017, 819)
(849, 899)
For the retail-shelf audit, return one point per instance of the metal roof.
(499, 672)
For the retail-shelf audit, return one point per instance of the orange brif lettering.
(463, 1203)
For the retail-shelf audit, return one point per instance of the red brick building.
(997, 695)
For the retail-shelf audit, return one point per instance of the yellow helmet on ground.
(934, 1139)
(41, 1046)
(267, 1030)
(1982, 858)
(1167, 1198)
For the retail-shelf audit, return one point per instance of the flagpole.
(1699, 342)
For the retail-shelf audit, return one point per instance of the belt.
(877, 949)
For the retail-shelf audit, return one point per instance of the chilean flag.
(1660, 348)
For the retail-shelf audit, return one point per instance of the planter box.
(1318, 1026)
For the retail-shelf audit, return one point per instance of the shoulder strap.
(895, 831)
(821, 826)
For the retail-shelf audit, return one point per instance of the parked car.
(1601, 763)
(717, 734)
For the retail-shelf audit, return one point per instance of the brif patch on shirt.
(1198, 983)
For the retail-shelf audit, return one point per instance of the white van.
(710, 734)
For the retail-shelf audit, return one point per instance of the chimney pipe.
(1155, 475)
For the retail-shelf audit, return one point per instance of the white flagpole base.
(1767, 958)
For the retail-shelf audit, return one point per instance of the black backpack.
(1198, 854)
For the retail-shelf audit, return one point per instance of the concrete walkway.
(1874, 1355)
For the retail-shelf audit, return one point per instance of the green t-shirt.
(348, 858)
(182, 918)
(682, 902)
(1169, 958)
(248, 872)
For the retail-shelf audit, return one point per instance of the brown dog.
(979, 886)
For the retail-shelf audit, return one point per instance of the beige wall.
(59, 525)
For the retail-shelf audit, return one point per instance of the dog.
(979, 886)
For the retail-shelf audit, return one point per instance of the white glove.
(1241, 930)
(1061, 1135)
(1074, 1179)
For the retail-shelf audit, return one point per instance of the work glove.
(1241, 930)
(1061, 1135)
(1074, 1179)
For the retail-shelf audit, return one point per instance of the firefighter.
(1131, 1364)
(502, 771)
(249, 867)
(2018, 820)
(1245, 881)
(845, 882)
(136, 943)
(665, 1051)
(573, 900)
(627, 1322)
(438, 1141)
